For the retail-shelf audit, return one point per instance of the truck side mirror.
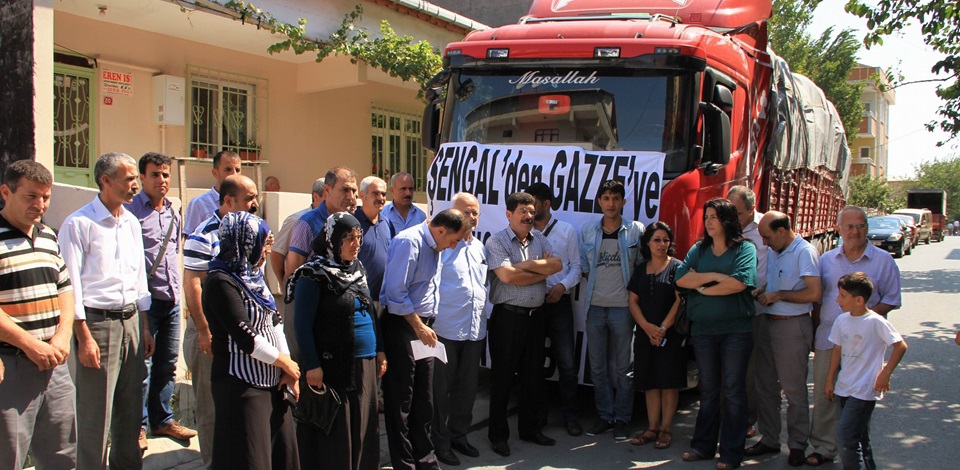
(430, 126)
(716, 123)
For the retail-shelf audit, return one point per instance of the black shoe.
(501, 448)
(464, 447)
(573, 427)
(796, 458)
(760, 449)
(447, 457)
(539, 439)
(599, 427)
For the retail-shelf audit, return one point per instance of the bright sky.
(915, 105)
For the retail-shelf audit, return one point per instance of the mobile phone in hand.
(289, 396)
(663, 342)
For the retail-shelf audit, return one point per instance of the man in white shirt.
(557, 307)
(225, 163)
(102, 246)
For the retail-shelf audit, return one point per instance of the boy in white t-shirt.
(861, 337)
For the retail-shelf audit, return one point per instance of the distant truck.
(936, 201)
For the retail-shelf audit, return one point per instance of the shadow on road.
(943, 281)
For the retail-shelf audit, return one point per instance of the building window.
(546, 135)
(866, 107)
(226, 111)
(395, 145)
(865, 152)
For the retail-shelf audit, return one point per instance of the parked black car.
(889, 233)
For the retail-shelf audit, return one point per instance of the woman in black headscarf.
(252, 370)
(338, 338)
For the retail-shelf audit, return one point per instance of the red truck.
(692, 81)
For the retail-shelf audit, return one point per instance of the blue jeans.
(853, 433)
(164, 318)
(559, 321)
(722, 360)
(609, 343)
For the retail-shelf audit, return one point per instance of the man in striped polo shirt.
(237, 194)
(36, 323)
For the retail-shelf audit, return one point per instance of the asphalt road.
(916, 426)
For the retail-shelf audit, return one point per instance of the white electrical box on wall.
(169, 100)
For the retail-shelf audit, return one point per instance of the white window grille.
(226, 111)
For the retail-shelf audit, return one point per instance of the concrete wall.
(491, 12)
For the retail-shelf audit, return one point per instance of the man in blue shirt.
(461, 326)
(409, 297)
(160, 226)
(401, 212)
(225, 163)
(377, 233)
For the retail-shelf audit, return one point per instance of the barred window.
(226, 111)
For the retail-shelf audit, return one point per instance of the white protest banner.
(493, 172)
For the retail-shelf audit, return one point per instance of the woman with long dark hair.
(659, 358)
(718, 274)
(339, 346)
(252, 371)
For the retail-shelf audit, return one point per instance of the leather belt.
(11, 349)
(785, 317)
(428, 321)
(123, 313)
(521, 310)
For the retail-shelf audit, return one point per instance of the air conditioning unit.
(169, 100)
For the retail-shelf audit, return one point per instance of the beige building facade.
(871, 147)
(188, 78)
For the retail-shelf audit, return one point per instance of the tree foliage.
(827, 59)
(940, 25)
(873, 193)
(395, 54)
(941, 174)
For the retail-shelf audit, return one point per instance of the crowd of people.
(370, 292)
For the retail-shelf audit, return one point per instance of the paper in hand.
(422, 351)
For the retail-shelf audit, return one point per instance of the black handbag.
(681, 323)
(318, 407)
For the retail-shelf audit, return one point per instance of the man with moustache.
(409, 298)
(225, 163)
(557, 307)
(785, 337)
(37, 408)
(521, 259)
(855, 254)
(461, 326)
(160, 225)
(745, 200)
(103, 251)
(401, 212)
(340, 195)
(377, 232)
(237, 194)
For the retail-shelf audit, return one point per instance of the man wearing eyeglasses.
(855, 254)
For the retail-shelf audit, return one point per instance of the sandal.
(644, 437)
(664, 439)
(691, 455)
(817, 459)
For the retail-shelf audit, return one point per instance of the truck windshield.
(599, 109)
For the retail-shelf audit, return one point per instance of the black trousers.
(254, 428)
(407, 398)
(354, 441)
(455, 390)
(516, 349)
